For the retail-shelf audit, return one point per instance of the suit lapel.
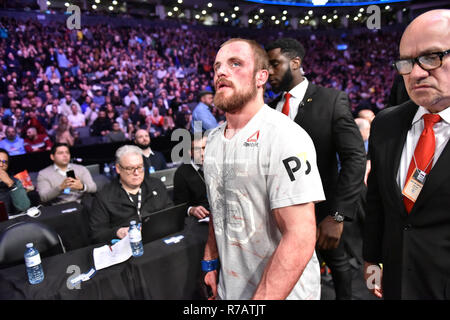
(307, 101)
(393, 153)
(274, 102)
(437, 176)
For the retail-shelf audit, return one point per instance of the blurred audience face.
(207, 99)
(198, 150)
(31, 133)
(11, 133)
(430, 32)
(280, 73)
(142, 139)
(61, 157)
(4, 161)
(131, 170)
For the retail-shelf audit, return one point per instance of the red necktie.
(424, 151)
(285, 110)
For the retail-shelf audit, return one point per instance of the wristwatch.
(338, 217)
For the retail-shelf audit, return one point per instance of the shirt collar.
(58, 169)
(445, 115)
(299, 90)
(195, 166)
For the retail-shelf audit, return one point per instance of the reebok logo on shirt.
(252, 141)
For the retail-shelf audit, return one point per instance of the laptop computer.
(166, 176)
(159, 224)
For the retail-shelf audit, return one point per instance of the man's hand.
(199, 212)
(373, 281)
(211, 281)
(4, 176)
(122, 232)
(329, 233)
(74, 184)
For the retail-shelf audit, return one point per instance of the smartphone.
(70, 174)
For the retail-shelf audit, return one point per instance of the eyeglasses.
(4, 162)
(131, 170)
(427, 62)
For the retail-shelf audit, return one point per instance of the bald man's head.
(428, 33)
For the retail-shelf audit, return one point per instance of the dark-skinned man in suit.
(326, 116)
(407, 229)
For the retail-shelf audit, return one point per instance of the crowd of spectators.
(108, 82)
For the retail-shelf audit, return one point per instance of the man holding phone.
(63, 181)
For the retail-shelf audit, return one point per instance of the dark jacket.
(112, 209)
(414, 248)
(326, 116)
(188, 186)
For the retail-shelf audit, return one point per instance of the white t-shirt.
(268, 164)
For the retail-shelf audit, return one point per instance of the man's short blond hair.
(259, 54)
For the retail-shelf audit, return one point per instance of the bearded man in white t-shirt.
(262, 183)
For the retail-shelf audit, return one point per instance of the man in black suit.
(407, 227)
(189, 182)
(153, 160)
(325, 115)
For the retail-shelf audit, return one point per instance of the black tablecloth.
(163, 272)
(66, 219)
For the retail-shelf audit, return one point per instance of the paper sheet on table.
(107, 256)
(204, 220)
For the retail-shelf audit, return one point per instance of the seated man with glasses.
(126, 197)
(12, 193)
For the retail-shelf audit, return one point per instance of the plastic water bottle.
(151, 169)
(33, 264)
(135, 240)
(107, 170)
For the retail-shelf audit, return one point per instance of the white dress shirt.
(441, 132)
(298, 93)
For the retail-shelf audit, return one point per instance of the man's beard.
(143, 146)
(285, 82)
(238, 100)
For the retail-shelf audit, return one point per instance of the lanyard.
(139, 202)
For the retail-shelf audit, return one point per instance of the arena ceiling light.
(326, 3)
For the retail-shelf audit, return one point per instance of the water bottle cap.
(29, 245)
(132, 222)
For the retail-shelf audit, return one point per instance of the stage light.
(222, 14)
(49, 3)
(361, 10)
(209, 4)
(180, 1)
(111, 8)
(277, 22)
(387, 7)
(283, 18)
(94, 7)
(114, 2)
(324, 17)
(261, 10)
(310, 12)
(256, 17)
(67, 4)
(233, 15)
(226, 19)
(236, 8)
(302, 21)
(335, 17)
(285, 12)
(169, 13)
(330, 20)
(250, 20)
(307, 18)
(203, 11)
(97, 1)
(272, 18)
(197, 16)
(175, 9)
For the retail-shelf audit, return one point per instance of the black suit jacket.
(414, 248)
(326, 116)
(112, 209)
(189, 187)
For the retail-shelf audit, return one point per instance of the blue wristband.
(210, 265)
